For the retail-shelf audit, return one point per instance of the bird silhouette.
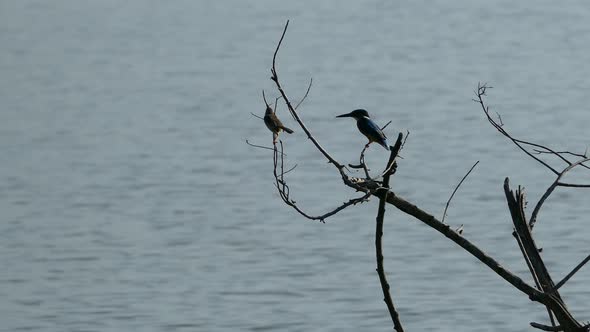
(367, 127)
(274, 124)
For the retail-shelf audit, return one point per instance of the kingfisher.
(274, 124)
(367, 127)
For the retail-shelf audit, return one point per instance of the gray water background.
(129, 200)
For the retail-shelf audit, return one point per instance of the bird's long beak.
(347, 115)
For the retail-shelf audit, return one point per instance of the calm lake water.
(130, 201)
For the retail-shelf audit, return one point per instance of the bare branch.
(387, 170)
(276, 101)
(274, 57)
(362, 161)
(461, 241)
(387, 124)
(499, 118)
(284, 190)
(532, 270)
(369, 187)
(538, 151)
(261, 118)
(306, 93)
(481, 92)
(405, 138)
(555, 305)
(571, 274)
(260, 146)
(290, 169)
(516, 201)
(551, 189)
(456, 188)
(264, 98)
(547, 328)
(379, 234)
(561, 152)
(572, 185)
(278, 169)
(275, 78)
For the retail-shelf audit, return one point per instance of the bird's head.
(357, 114)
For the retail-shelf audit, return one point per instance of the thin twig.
(387, 124)
(457, 188)
(264, 98)
(260, 146)
(571, 274)
(547, 149)
(306, 93)
(573, 185)
(290, 169)
(261, 118)
(561, 152)
(405, 139)
(276, 101)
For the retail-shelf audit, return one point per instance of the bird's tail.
(288, 130)
(384, 144)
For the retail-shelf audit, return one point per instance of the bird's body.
(367, 127)
(274, 124)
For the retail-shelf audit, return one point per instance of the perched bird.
(274, 124)
(367, 127)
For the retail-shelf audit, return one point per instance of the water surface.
(130, 200)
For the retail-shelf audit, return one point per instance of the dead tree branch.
(278, 162)
(545, 292)
(528, 247)
(522, 230)
(573, 185)
(546, 328)
(444, 229)
(537, 149)
(275, 78)
(284, 190)
(481, 92)
(379, 234)
(428, 219)
(552, 187)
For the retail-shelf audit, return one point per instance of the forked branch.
(481, 92)
(551, 188)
